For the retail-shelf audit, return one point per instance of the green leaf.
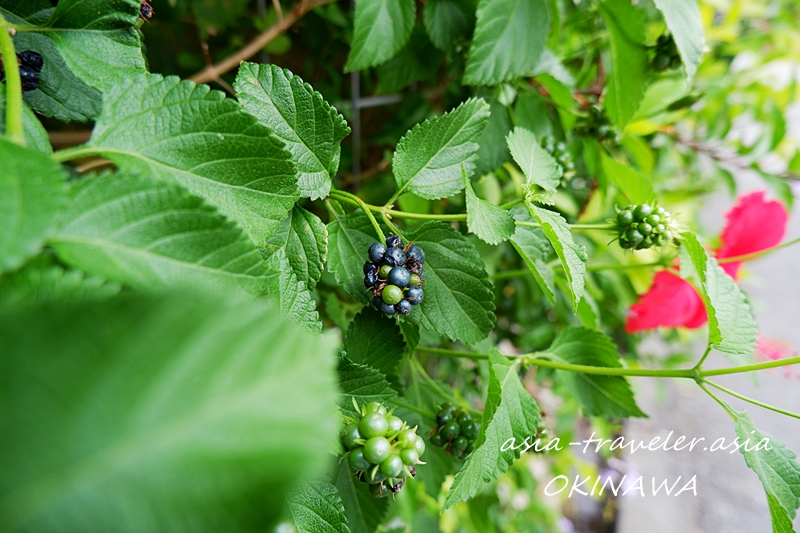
(349, 238)
(684, 22)
(510, 36)
(35, 134)
(627, 80)
(510, 412)
(731, 326)
(491, 223)
(636, 187)
(375, 340)
(310, 128)
(94, 41)
(32, 194)
(428, 158)
(448, 22)
(418, 60)
(316, 507)
(179, 131)
(381, 29)
(304, 237)
(153, 235)
(538, 166)
(492, 147)
(362, 383)
(180, 413)
(215, 16)
(364, 512)
(606, 396)
(573, 256)
(534, 248)
(291, 294)
(777, 468)
(39, 284)
(458, 294)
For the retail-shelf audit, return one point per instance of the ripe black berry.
(29, 78)
(31, 59)
(415, 254)
(403, 307)
(395, 257)
(394, 276)
(376, 253)
(399, 276)
(394, 241)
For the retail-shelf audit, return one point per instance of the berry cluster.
(395, 276)
(382, 449)
(665, 54)
(30, 65)
(642, 226)
(596, 124)
(455, 430)
(558, 150)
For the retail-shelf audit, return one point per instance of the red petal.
(671, 302)
(753, 225)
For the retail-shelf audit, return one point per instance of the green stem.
(572, 227)
(512, 203)
(344, 195)
(75, 152)
(395, 229)
(754, 255)
(410, 407)
(750, 368)
(703, 359)
(752, 400)
(14, 129)
(716, 399)
(435, 386)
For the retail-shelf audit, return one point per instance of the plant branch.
(14, 129)
(754, 255)
(213, 72)
(76, 152)
(750, 368)
(410, 407)
(716, 399)
(752, 400)
(353, 199)
(703, 359)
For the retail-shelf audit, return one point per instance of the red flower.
(753, 225)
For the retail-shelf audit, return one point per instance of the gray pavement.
(729, 498)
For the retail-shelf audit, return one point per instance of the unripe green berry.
(642, 211)
(377, 449)
(392, 466)
(410, 457)
(351, 434)
(653, 219)
(625, 217)
(634, 236)
(659, 229)
(357, 460)
(395, 424)
(645, 228)
(392, 294)
(373, 425)
(383, 273)
(414, 280)
(375, 407)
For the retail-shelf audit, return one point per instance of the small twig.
(66, 139)
(277, 5)
(213, 72)
(209, 62)
(96, 162)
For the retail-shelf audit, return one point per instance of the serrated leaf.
(375, 340)
(51, 284)
(448, 22)
(186, 133)
(381, 29)
(534, 248)
(180, 413)
(573, 256)
(731, 326)
(364, 512)
(510, 36)
(349, 238)
(606, 396)
(362, 383)
(152, 235)
(636, 187)
(35, 134)
(627, 80)
(311, 129)
(491, 223)
(684, 22)
(458, 294)
(418, 60)
(510, 412)
(493, 150)
(215, 16)
(538, 166)
(32, 194)
(291, 294)
(777, 468)
(316, 507)
(428, 158)
(88, 46)
(304, 238)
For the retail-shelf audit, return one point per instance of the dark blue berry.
(394, 241)
(399, 276)
(32, 59)
(415, 253)
(370, 267)
(387, 309)
(377, 301)
(414, 295)
(371, 279)
(395, 257)
(29, 78)
(376, 253)
(403, 307)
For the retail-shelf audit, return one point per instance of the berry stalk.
(14, 130)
